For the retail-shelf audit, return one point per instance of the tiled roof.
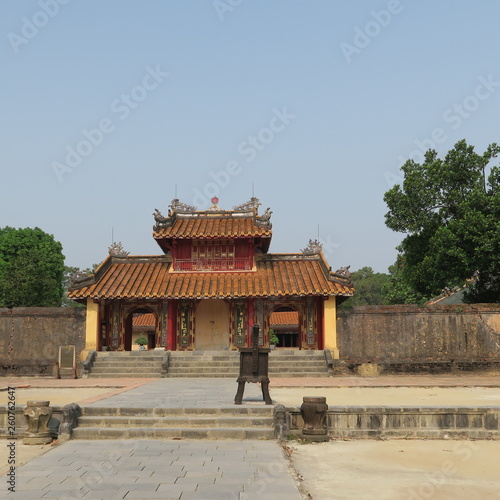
(285, 318)
(275, 276)
(216, 227)
(147, 319)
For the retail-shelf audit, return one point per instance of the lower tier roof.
(275, 275)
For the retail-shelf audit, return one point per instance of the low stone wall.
(30, 338)
(357, 422)
(411, 338)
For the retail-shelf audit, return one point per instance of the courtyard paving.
(184, 469)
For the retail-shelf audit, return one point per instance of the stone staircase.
(192, 364)
(282, 363)
(296, 363)
(175, 423)
(132, 364)
(202, 364)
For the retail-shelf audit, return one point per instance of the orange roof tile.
(208, 227)
(147, 319)
(147, 278)
(284, 318)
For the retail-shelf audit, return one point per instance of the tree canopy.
(31, 268)
(450, 210)
(370, 288)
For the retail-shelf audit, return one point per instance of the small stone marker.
(67, 362)
(313, 412)
(37, 415)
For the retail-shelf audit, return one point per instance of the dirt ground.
(392, 396)
(398, 469)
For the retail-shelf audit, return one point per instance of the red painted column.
(250, 319)
(171, 326)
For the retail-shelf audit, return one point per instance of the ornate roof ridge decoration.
(117, 250)
(285, 256)
(313, 247)
(343, 272)
(215, 207)
(79, 278)
(253, 204)
(342, 275)
(264, 220)
(179, 207)
(183, 211)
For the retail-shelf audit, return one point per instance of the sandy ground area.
(392, 396)
(21, 453)
(57, 397)
(398, 469)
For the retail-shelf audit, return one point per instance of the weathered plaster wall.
(30, 338)
(391, 333)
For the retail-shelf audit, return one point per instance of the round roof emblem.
(215, 200)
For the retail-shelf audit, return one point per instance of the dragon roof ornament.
(252, 204)
(117, 250)
(313, 247)
(178, 206)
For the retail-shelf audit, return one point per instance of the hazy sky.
(106, 106)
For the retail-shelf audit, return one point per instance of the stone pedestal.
(37, 415)
(313, 412)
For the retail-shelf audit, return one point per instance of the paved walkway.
(152, 469)
(183, 393)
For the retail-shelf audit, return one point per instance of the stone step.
(199, 362)
(181, 421)
(122, 368)
(127, 361)
(171, 433)
(234, 410)
(236, 364)
(272, 369)
(131, 374)
(201, 375)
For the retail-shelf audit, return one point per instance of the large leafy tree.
(450, 210)
(31, 268)
(369, 287)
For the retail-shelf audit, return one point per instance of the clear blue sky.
(317, 103)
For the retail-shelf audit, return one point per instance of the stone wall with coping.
(30, 338)
(464, 336)
(356, 422)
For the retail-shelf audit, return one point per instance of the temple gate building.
(213, 282)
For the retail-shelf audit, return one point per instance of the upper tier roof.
(185, 222)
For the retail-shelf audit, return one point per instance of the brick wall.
(464, 333)
(30, 338)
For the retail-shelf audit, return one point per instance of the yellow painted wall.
(330, 325)
(91, 328)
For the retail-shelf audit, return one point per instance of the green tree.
(450, 210)
(396, 290)
(369, 287)
(69, 271)
(31, 268)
